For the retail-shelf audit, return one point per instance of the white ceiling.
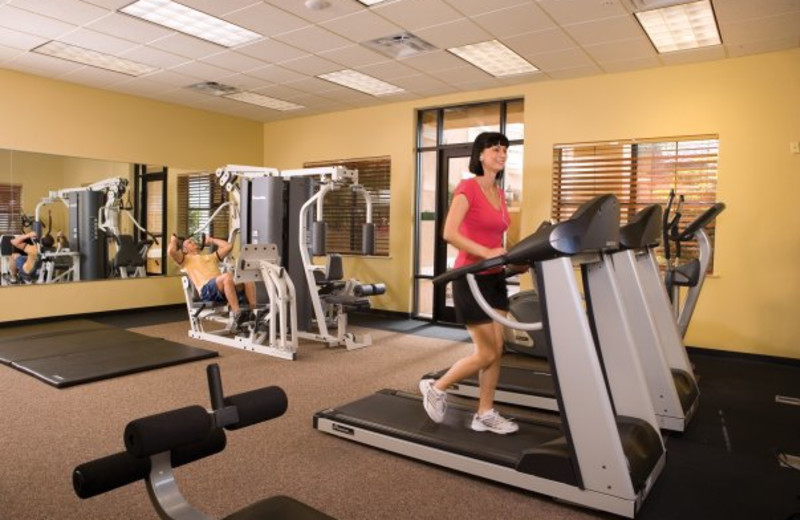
(563, 38)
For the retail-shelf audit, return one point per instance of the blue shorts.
(21, 268)
(210, 293)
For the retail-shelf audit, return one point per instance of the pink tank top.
(483, 223)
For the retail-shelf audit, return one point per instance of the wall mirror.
(93, 219)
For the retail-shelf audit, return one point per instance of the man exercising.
(25, 261)
(203, 270)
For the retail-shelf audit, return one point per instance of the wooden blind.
(199, 196)
(345, 211)
(639, 173)
(10, 209)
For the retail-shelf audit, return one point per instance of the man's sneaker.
(492, 421)
(237, 320)
(434, 401)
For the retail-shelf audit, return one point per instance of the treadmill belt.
(402, 415)
(81, 351)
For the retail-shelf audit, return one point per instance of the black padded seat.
(278, 508)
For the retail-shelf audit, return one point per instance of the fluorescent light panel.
(494, 58)
(681, 27)
(93, 58)
(361, 82)
(190, 21)
(263, 101)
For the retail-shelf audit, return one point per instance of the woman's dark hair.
(482, 142)
(47, 241)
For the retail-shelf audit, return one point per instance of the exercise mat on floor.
(81, 351)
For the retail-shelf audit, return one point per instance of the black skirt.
(494, 291)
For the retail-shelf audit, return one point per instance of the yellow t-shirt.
(201, 268)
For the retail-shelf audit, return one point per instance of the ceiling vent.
(213, 88)
(403, 45)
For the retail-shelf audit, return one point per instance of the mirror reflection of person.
(475, 224)
(25, 260)
(203, 270)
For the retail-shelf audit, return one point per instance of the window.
(639, 173)
(10, 211)
(345, 211)
(199, 196)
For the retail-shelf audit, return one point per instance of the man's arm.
(19, 241)
(223, 246)
(174, 251)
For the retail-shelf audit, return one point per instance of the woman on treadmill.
(475, 224)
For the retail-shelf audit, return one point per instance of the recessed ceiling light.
(93, 58)
(213, 88)
(494, 58)
(190, 21)
(403, 45)
(681, 27)
(361, 82)
(263, 101)
(371, 2)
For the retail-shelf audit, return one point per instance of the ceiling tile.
(575, 11)
(20, 40)
(739, 10)
(388, 70)
(280, 92)
(7, 53)
(521, 19)
(172, 78)
(575, 72)
(353, 56)
(621, 50)
(244, 82)
(558, 60)
(541, 41)
(276, 74)
(462, 75)
(417, 14)
(338, 8)
(234, 61)
(109, 4)
(139, 86)
(454, 34)
(605, 30)
(202, 71)
(266, 20)
(433, 62)
(39, 64)
(693, 56)
(70, 11)
(32, 23)
(418, 82)
(99, 42)
(769, 28)
(478, 7)
(129, 28)
(313, 39)
(311, 65)
(744, 49)
(189, 46)
(271, 51)
(154, 57)
(313, 85)
(93, 77)
(362, 26)
(217, 8)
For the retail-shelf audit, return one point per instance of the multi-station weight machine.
(270, 212)
(94, 217)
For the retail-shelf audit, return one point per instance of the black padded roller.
(166, 431)
(108, 473)
(368, 238)
(257, 406)
(318, 231)
(369, 289)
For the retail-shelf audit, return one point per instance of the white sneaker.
(492, 421)
(434, 401)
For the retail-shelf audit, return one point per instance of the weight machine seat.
(128, 253)
(348, 301)
(278, 507)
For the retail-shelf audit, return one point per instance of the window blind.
(199, 196)
(345, 211)
(10, 209)
(639, 173)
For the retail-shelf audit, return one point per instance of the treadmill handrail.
(701, 222)
(493, 314)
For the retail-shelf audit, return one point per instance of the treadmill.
(526, 380)
(605, 452)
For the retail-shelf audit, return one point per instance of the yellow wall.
(751, 303)
(64, 119)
